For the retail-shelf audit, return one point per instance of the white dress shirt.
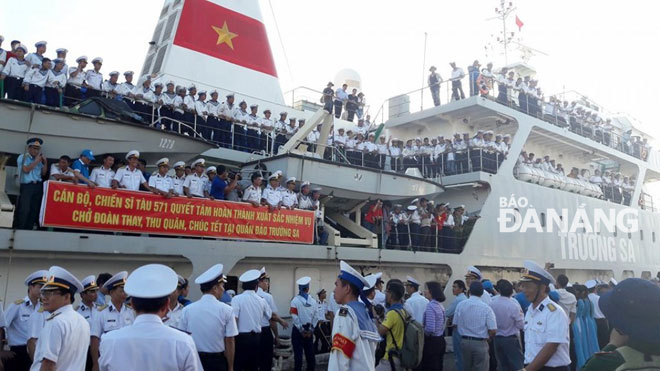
(148, 345)
(161, 183)
(594, 298)
(129, 179)
(417, 304)
(209, 321)
(173, 316)
(64, 340)
(272, 196)
(88, 313)
(94, 79)
(249, 310)
(109, 319)
(303, 311)
(17, 319)
(547, 323)
(102, 176)
(195, 184)
(271, 303)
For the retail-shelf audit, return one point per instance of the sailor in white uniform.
(179, 177)
(195, 184)
(126, 88)
(289, 196)
(303, 312)
(416, 302)
(270, 195)
(94, 78)
(148, 344)
(175, 309)
(111, 87)
(65, 335)
(211, 322)
(88, 295)
(268, 326)
(37, 57)
(112, 316)
(249, 310)
(130, 177)
(546, 324)
(252, 194)
(102, 176)
(161, 183)
(17, 321)
(354, 334)
(474, 274)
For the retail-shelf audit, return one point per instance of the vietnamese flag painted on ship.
(222, 33)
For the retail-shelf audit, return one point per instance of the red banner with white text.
(67, 205)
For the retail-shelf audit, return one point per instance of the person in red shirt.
(374, 218)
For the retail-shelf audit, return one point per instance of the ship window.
(653, 236)
(641, 235)
(157, 32)
(168, 29)
(158, 64)
(646, 275)
(164, 11)
(543, 220)
(147, 63)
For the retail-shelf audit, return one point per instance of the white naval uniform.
(34, 59)
(36, 77)
(17, 319)
(128, 179)
(148, 345)
(417, 303)
(36, 322)
(252, 194)
(305, 202)
(177, 183)
(272, 196)
(55, 170)
(271, 304)
(347, 336)
(209, 321)
(109, 87)
(144, 94)
(173, 316)
(161, 183)
(196, 184)
(94, 79)
(88, 313)
(15, 68)
(289, 198)
(249, 309)
(64, 340)
(102, 176)
(125, 88)
(304, 312)
(379, 299)
(109, 319)
(547, 323)
(76, 80)
(56, 79)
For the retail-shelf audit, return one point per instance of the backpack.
(410, 352)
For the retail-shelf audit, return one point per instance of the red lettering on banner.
(67, 205)
(343, 344)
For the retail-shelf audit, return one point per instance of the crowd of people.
(524, 94)
(143, 320)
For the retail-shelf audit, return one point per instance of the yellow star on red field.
(224, 35)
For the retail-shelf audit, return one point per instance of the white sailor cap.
(118, 280)
(133, 153)
(128, 73)
(151, 281)
(480, 131)
(536, 273)
(412, 208)
(591, 284)
(273, 176)
(283, 113)
(170, 83)
(61, 50)
(163, 161)
(249, 276)
(212, 274)
(201, 92)
(414, 201)
(199, 161)
(498, 136)
(22, 47)
(317, 189)
(254, 106)
(474, 272)
(191, 87)
(60, 278)
(40, 43)
(457, 134)
(114, 73)
(291, 179)
(81, 58)
(97, 60)
(613, 281)
(180, 281)
(263, 273)
(461, 207)
(349, 274)
(58, 60)
(304, 281)
(305, 184)
(179, 164)
(412, 281)
(279, 173)
(213, 92)
(229, 95)
(371, 282)
(507, 135)
(38, 277)
(89, 283)
(158, 83)
(211, 169)
(489, 132)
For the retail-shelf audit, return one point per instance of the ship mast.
(503, 13)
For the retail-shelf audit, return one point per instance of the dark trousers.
(253, 140)
(338, 107)
(20, 362)
(457, 90)
(403, 236)
(240, 142)
(213, 361)
(301, 344)
(52, 97)
(280, 140)
(350, 115)
(223, 133)
(476, 158)
(14, 88)
(435, 93)
(415, 235)
(508, 353)
(72, 95)
(266, 349)
(328, 106)
(558, 368)
(247, 344)
(434, 353)
(29, 203)
(188, 123)
(165, 113)
(603, 331)
(34, 94)
(322, 333)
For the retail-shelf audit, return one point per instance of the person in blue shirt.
(81, 167)
(458, 289)
(32, 167)
(219, 183)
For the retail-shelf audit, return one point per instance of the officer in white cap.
(474, 274)
(195, 184)
(270, 195)
(16, 321)
(379, 299)
(252, 194)
(64, 338)
(88, 296)
(175, 309)
(161, 183)
(268, 327)
(249, 309)
(126, 88)
(303, 312)
(129, 176)
(211, 322)
(546, 323)
(148, 344)
(111, 316)
(179, 177)
(416, 301)
(75, 81)
(34, 59)
(94, 78)
(289, 196)
(110, 87)
(354, 335)
(602, 328)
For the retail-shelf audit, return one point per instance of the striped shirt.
(434, 319)
(474, 318)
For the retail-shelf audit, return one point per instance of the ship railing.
(311, 98)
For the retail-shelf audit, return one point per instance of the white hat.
(39, 43)
(371, 282)
(151, 281)
(61, 50)
(23, 47)
(414, 201)
(59, 277)
(89, 283)
(536, 273)
(211, 169)
(40, 276)
(212, 274)
(263, 273)
(305, 183)
(349, 274)
(473, 271)
(201, 92)
(97, 59)
(213, 92)
(81, 58)
(412, 208)
(179, 164)
(279, 173)
(272, 176)
(180, 280)
(304, 281)
(163, 161)
(117, 280)
(613, 281)
(199, 161)
(249, 276)
(133, 153)
(412, 280)
(113, 73)
(591, 284)
(128, 73)
(292, 179)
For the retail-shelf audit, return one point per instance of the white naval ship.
(519, 207)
